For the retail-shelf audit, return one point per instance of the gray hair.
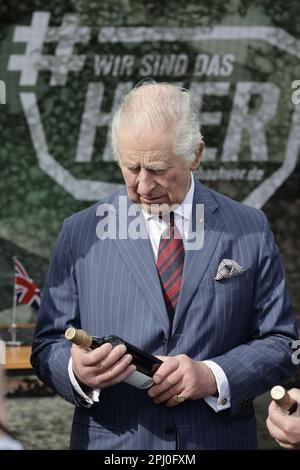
(159, 106)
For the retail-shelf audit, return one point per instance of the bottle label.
(139, 380)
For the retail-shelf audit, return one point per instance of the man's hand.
(285, 429)
(102, 367)
(181, 375)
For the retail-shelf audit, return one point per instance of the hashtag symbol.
(35, 36)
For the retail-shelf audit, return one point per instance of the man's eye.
(134, 170)
(159, 172)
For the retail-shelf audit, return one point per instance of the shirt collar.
(185, 208)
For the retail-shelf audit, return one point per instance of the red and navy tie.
(170, 261)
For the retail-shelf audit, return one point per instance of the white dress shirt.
(155, 228)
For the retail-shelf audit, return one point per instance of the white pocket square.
(228, 268)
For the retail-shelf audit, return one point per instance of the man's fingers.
(275, 415)
(98, 355)
(113, 374)
(168, 394)
(127, 372)
(163, 358)
(171, 381)
(113, 357)
(171, 403)
(278, 434)
(89, 358)
(295, 394)
(285, 444)
(165, 369)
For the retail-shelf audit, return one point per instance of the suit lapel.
(139, 257)
(196, 261)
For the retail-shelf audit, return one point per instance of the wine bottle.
(146, 364)
(282, 398)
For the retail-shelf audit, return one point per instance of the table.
(17, 361)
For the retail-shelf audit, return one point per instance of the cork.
(79, 337)
(282, 398)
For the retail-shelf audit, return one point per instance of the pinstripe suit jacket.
(244, 323)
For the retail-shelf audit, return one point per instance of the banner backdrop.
(64, 67)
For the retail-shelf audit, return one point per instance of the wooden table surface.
(17, 357)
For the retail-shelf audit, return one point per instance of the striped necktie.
(170, 261)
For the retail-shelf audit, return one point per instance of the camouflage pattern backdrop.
(67, 64)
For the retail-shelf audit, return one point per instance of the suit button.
(224, 401)
(164, 339)
(169, 430)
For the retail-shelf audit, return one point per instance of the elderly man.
(216, 312)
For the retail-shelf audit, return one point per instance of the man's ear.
(198, 155)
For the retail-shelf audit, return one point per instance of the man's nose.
(146, 182)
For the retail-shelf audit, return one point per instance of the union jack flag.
(26, 289)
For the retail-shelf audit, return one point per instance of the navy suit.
(244, 323)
